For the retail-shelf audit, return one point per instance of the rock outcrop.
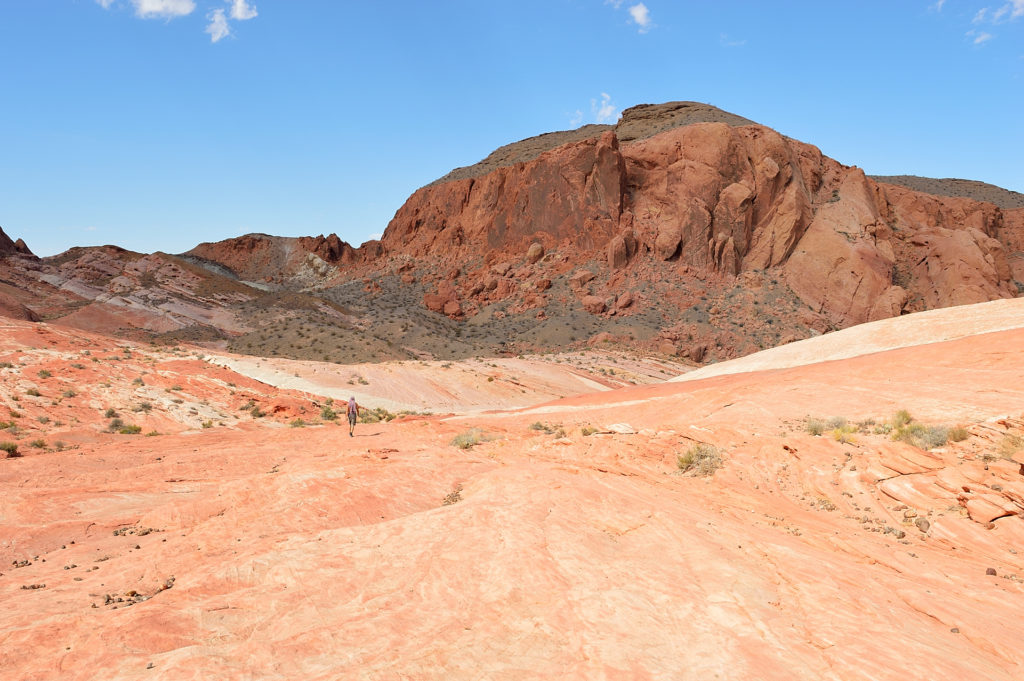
(9, 247)
(285, 261)
(720, 199)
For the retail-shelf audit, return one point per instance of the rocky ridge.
(682, 230)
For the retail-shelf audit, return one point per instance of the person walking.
(353, 414)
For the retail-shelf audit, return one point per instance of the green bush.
(375, 415)
(815, 426)
(43, 373)
(130, 429)
(327, 413)
(469, 438)
(39, 444)
(701, 459)
(958, 434)
(110, 413)
(921, 436)
(11, 448)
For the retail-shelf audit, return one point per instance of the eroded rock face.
(573, 193)
(283, 260)
(9, 247)
(724, 200)
(12, 309)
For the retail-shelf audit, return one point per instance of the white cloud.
(163, 9)
(979, 37)
(1018, 9)
(614, 3)
(577, 119)
(938, 5)
(218, 27)
(241, 10)
(726, 41)
(605, 110)
(641, 16)
(105, 4)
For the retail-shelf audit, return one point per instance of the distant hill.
(968, 189)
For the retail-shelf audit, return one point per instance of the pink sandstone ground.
(251, 550)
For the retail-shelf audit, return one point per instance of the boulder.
(593, 304)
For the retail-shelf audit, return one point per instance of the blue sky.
(159, 124)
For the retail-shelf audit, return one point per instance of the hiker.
(353, 413)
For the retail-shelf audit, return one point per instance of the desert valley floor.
(249, 537)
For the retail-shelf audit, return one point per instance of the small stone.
(922, 524)
(990, 572)
(954, 630)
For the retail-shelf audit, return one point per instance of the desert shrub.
(43, 419)
(901, 418)
(6, 365)
(815, 426)
(43, 373)
(375, 415)
(844, 435)
(143, 406)
(110, 413)
(38, 444)
(152, 433)
(297, 423)
(920, 435)
(469, 438)
(33, 392)
(115, 424)
(327, 413)
(837, 423)
(701, 459)
(549, 428)
(137, 381)
(587, 431)
(207, 424)
(958, 434)
(1009, 445)
(257, 413)
(69, 393)
(130, 429)
(11, 448)
(453, 497)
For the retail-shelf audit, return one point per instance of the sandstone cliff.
(715, 199)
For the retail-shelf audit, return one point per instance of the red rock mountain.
(720, 199)
(682, 229)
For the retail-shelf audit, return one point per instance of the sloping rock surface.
(252, 550)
